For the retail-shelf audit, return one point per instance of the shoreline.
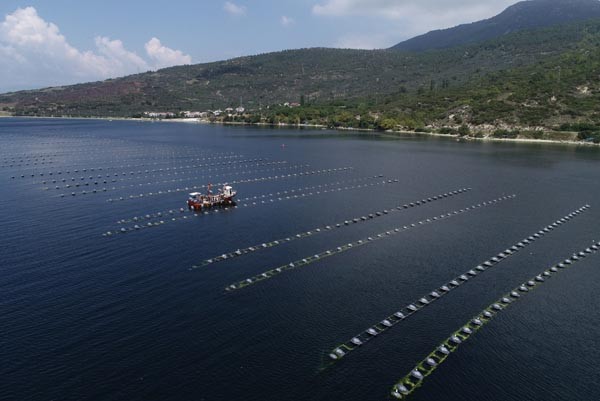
(392, 133)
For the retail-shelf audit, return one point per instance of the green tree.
(387, 124)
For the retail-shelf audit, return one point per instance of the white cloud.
(122, 59)
(286, 21)
(164, 56)
(234, 9)
(34, 53)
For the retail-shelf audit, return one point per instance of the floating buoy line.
(25, 157)
(318, 230)
(413, 380)
(346, 247)
(46, 161)
(242, 181)
(69, 168)
(156, 153)
(169, 216)
(97, 184)
(73, 166)
(364, 337)
(192, 177)
(137, 175)
(222, 165)
(307, 188)
(32, 164)
(28, 162)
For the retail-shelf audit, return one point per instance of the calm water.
(124, 317)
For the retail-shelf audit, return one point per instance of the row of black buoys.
(415, 378)
(230, 166)
(129, 162)
(41, 160)
(132, 154)
(436, 294)
(123, 176)
(27, 157)
(239, 181)
(213, 157)
(176, 168)
(213, 166)
(238, 170)
(29, 164)
(318, 190)
(307, 188)
(343, 248)
(318, 230)
(263, 202)
(189, 178)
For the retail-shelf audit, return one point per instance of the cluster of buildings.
(152, 114)
(228, 112)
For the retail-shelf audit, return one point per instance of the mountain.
(521, 16)
(317, 75)
(554, 98)
(422, 87)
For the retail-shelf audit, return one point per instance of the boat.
(225, 197)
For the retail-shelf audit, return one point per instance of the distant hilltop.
(524, 15)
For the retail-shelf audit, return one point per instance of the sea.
(111, 289)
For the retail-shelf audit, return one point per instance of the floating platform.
(328, 253)
(436, 294)
(415, 378)
(322, 229)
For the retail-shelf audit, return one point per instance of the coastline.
(391, 133)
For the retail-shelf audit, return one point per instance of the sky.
(59, 42)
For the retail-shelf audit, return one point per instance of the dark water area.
(90, 316)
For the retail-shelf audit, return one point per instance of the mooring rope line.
(340, 249)
(114, 178)
(239, 181)
(169, 218)
(315, 231)
(403, 313)
(413, 380)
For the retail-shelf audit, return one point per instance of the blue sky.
(58, 42)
